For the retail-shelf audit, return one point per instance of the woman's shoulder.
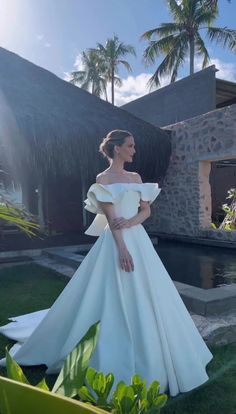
(102, 178)
(105, 177)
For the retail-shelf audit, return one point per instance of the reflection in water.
(198, 265)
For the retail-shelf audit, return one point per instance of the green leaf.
(159, 403)
(128, 400)
(139, 386)
(119, 391)
(72, 375)
(14, 371)
(85, 395)
(43, 385)
(153, 392)
(109, 383)
(90, 375)
(99, 384)
(124, 398)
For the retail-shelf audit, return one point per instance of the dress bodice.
(124, 196)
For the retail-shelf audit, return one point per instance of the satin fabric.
(145, 326)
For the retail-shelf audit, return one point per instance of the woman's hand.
(119, 223)
(126, 261)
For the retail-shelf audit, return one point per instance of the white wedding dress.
(145, 326)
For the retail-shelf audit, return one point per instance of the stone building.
(199, 144)
(203, 158)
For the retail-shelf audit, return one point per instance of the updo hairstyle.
(115, 137)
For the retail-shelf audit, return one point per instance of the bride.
(145, 326)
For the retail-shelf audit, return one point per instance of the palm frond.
(125, 64)
(157, 47)
(77, 77)
(211, 3)
(179, 61)
(223, 35)
(205, 16)
(118, 81)
(176, 10)
(201, 49)
(11, 214)
(123, 50)
(166, 66)
(164, 29)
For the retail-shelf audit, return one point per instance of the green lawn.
(24, 289)
(27, 288)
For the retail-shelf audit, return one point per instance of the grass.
(24, 289)
(28, 288)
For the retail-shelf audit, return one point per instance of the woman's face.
(126, 151)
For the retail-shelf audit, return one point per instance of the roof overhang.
(225, 93)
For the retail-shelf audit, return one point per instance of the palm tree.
(112, 55)
(92, 75)
(181, 37)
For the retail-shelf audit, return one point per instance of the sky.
(53, 34)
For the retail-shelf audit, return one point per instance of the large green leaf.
(17, 398)
(14, 370)
(72, 375)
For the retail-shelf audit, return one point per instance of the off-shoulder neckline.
(104, 185)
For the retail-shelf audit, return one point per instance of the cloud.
(67, 76)
(226, 70)
(78, 65)
(41, 39)
(133, 87)
(40, 36)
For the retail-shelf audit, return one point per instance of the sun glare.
(9, 22)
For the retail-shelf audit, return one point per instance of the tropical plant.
(181, 37)
(112, 55)
(135, 398)
(77, 380)
(12, 214)
(20, 398)
(229, 222)
(92, 75)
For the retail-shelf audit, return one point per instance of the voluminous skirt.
(145, 326)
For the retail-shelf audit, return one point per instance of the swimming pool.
(198, 265)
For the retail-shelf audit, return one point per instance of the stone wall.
(184, 205)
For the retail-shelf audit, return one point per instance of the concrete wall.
(184, 205)
(184, 99)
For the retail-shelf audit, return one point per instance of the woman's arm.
(140, 217)
(125, 258)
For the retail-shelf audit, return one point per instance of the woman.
(145, 327)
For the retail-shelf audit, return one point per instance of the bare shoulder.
(136, 177)
(102, 178)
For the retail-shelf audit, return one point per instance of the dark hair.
(115, 137)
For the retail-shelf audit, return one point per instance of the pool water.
(197, 265)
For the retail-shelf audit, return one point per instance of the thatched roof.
(47, 124)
